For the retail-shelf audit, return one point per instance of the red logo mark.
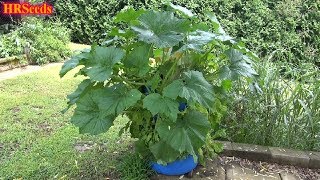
(27, 8)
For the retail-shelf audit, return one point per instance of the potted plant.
(168, 72)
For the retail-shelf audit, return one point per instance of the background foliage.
(48, 41)
(285, 113)
(288, 29)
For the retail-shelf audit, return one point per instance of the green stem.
(206, 54)
(134, 83)
(118, 78)
(168, 74)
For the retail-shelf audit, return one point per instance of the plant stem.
(168, 74)
(206, 54)
(119, 78)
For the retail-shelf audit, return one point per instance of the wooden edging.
(12, 62)
(305, 159)
(9, 59)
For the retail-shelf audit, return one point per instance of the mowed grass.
(74, 47)
(38, 142)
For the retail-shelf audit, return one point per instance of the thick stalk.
(168, 74)
(119, 78)
(206, 54)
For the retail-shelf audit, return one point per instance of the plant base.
(176, 168)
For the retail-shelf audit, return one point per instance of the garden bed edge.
(305, 159)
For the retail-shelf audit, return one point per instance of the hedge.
(47, 41)
(284, 30)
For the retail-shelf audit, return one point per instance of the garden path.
(74, 47)
(24, 70)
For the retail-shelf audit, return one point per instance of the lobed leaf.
(83, 87)
(117, 98)
(97, 109)
(193, 87)
(216, 24)
(187, 134)
(164, 153)
(184, 10)
(161, 29)
(138, 60)
(222, 35)
(102, 59)
(128, 15)
(121, 33)
(90, 114)
(196, 40)
(239, 65)
(72, 63)
(156, 103)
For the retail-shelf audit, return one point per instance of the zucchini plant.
(168, 72)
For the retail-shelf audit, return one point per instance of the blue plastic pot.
(145, 89)
(176, 168)
(182, 106)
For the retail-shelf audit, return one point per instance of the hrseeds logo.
(25, 8)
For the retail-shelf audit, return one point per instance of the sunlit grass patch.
(38, 142)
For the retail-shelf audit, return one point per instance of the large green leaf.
(164, 153)
(138, 60)
(72, 63)
(188, 134)
(216, 24)
(156, 103)
(239, 65)
(97, 109)
(196, 40)
(222, 35)
(117, 98)
(194, 87)
(90, 114)
(240, 46)
(128, 33)
(128, 15)
(83, 87)
(102, 59)
(161, 29)
(183, 10)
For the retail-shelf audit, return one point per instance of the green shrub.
(287, 28)
(286, 113)
(88, 20)
(11, 44)
(48, 41)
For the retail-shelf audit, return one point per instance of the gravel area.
(217, 169)
(272, 168)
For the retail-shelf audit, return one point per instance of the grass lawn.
(76, 47)
(38, 142)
